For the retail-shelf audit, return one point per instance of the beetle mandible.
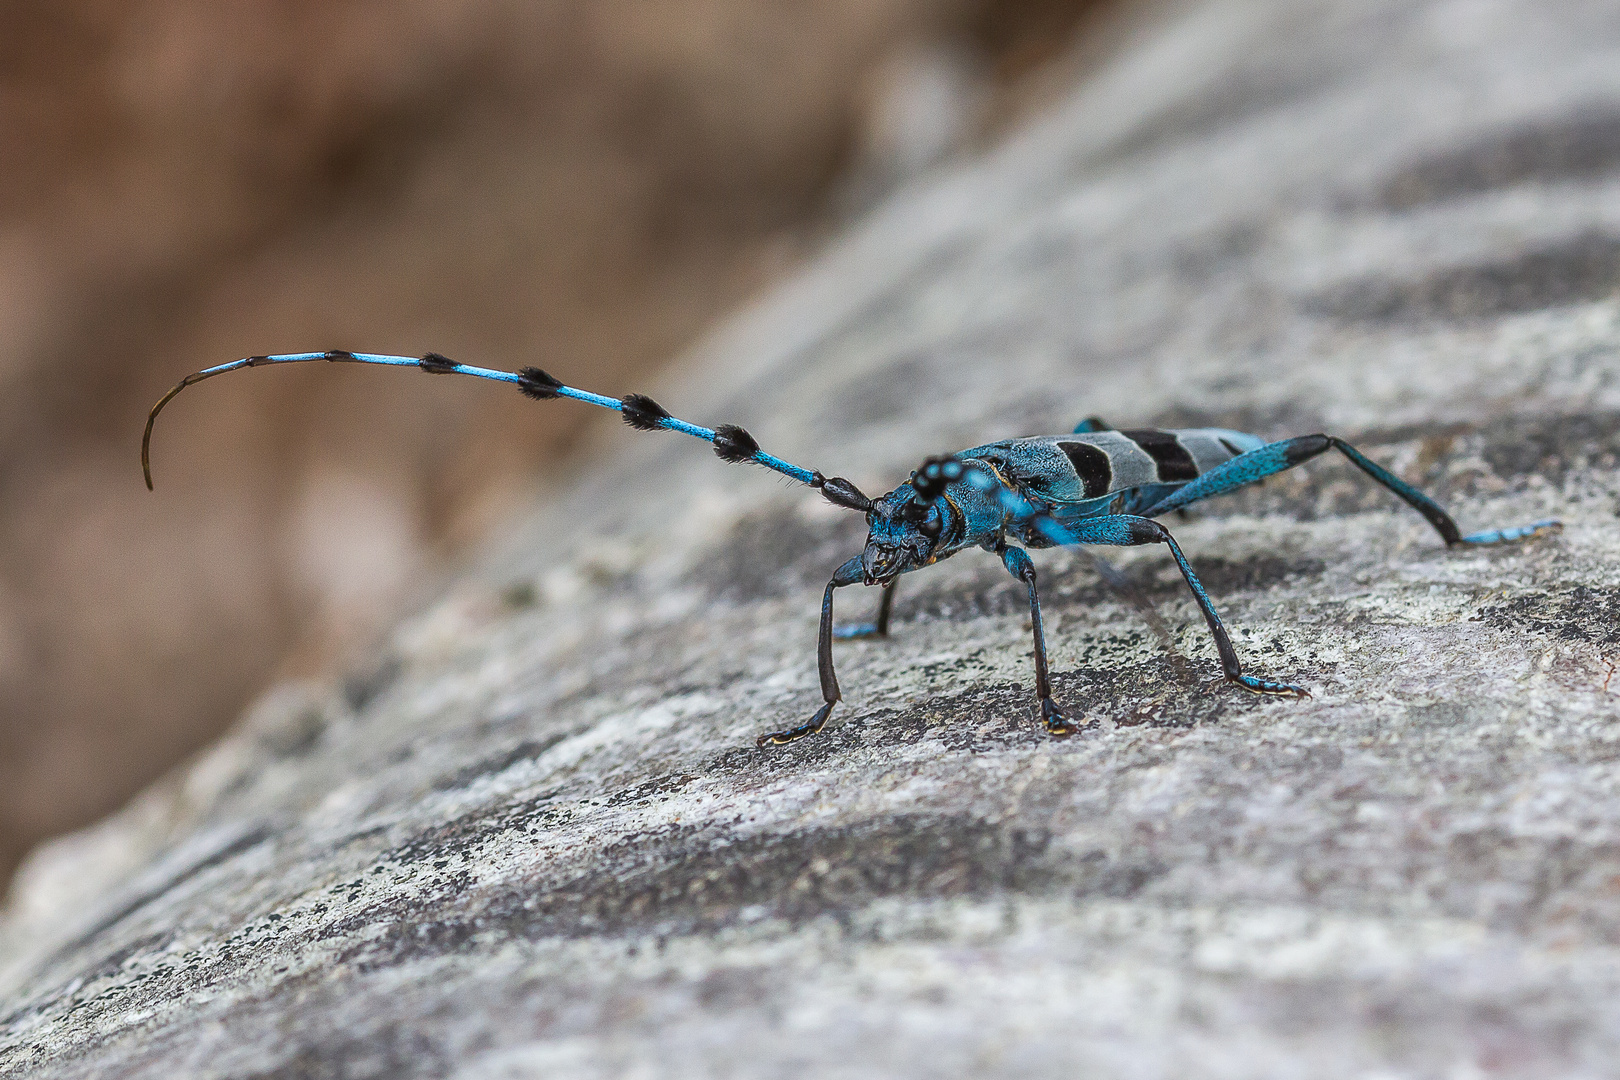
(1095, 486)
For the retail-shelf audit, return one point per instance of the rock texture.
(536, 839)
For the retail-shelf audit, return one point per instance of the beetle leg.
(1017, 562)
(1125, 530)
(1278, 456)
(880, 628)
(847, 574)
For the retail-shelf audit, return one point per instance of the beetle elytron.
(1094, 486)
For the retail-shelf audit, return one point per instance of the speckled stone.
(535, 839)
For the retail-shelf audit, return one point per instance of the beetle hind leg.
(1277, 457)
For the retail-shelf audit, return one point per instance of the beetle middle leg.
(1017, 562)
(847, 574)
(879, 628)
(1126, 530)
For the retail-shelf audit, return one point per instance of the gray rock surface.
(537, 839)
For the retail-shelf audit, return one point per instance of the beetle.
(1093, 486)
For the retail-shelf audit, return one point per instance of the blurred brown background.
(579, 185)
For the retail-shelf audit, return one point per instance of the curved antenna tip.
(151, 418)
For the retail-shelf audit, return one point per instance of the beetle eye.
(931, 525)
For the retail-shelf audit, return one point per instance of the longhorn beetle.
(1094, 486)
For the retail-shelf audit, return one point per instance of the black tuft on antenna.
(642, 412)
(733, 444)
(537, 384)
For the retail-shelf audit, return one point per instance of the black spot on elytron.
(1579, 147)
(1581, 269)
(1173, 460)
(1091, 466)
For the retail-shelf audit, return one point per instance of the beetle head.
(903, 534)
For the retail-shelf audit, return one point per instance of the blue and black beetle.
(1095, 486)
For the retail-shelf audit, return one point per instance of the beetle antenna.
(731, 443)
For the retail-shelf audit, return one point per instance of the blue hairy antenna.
(1096, 486)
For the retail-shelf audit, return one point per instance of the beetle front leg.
(1016, 560)
(847, 574)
